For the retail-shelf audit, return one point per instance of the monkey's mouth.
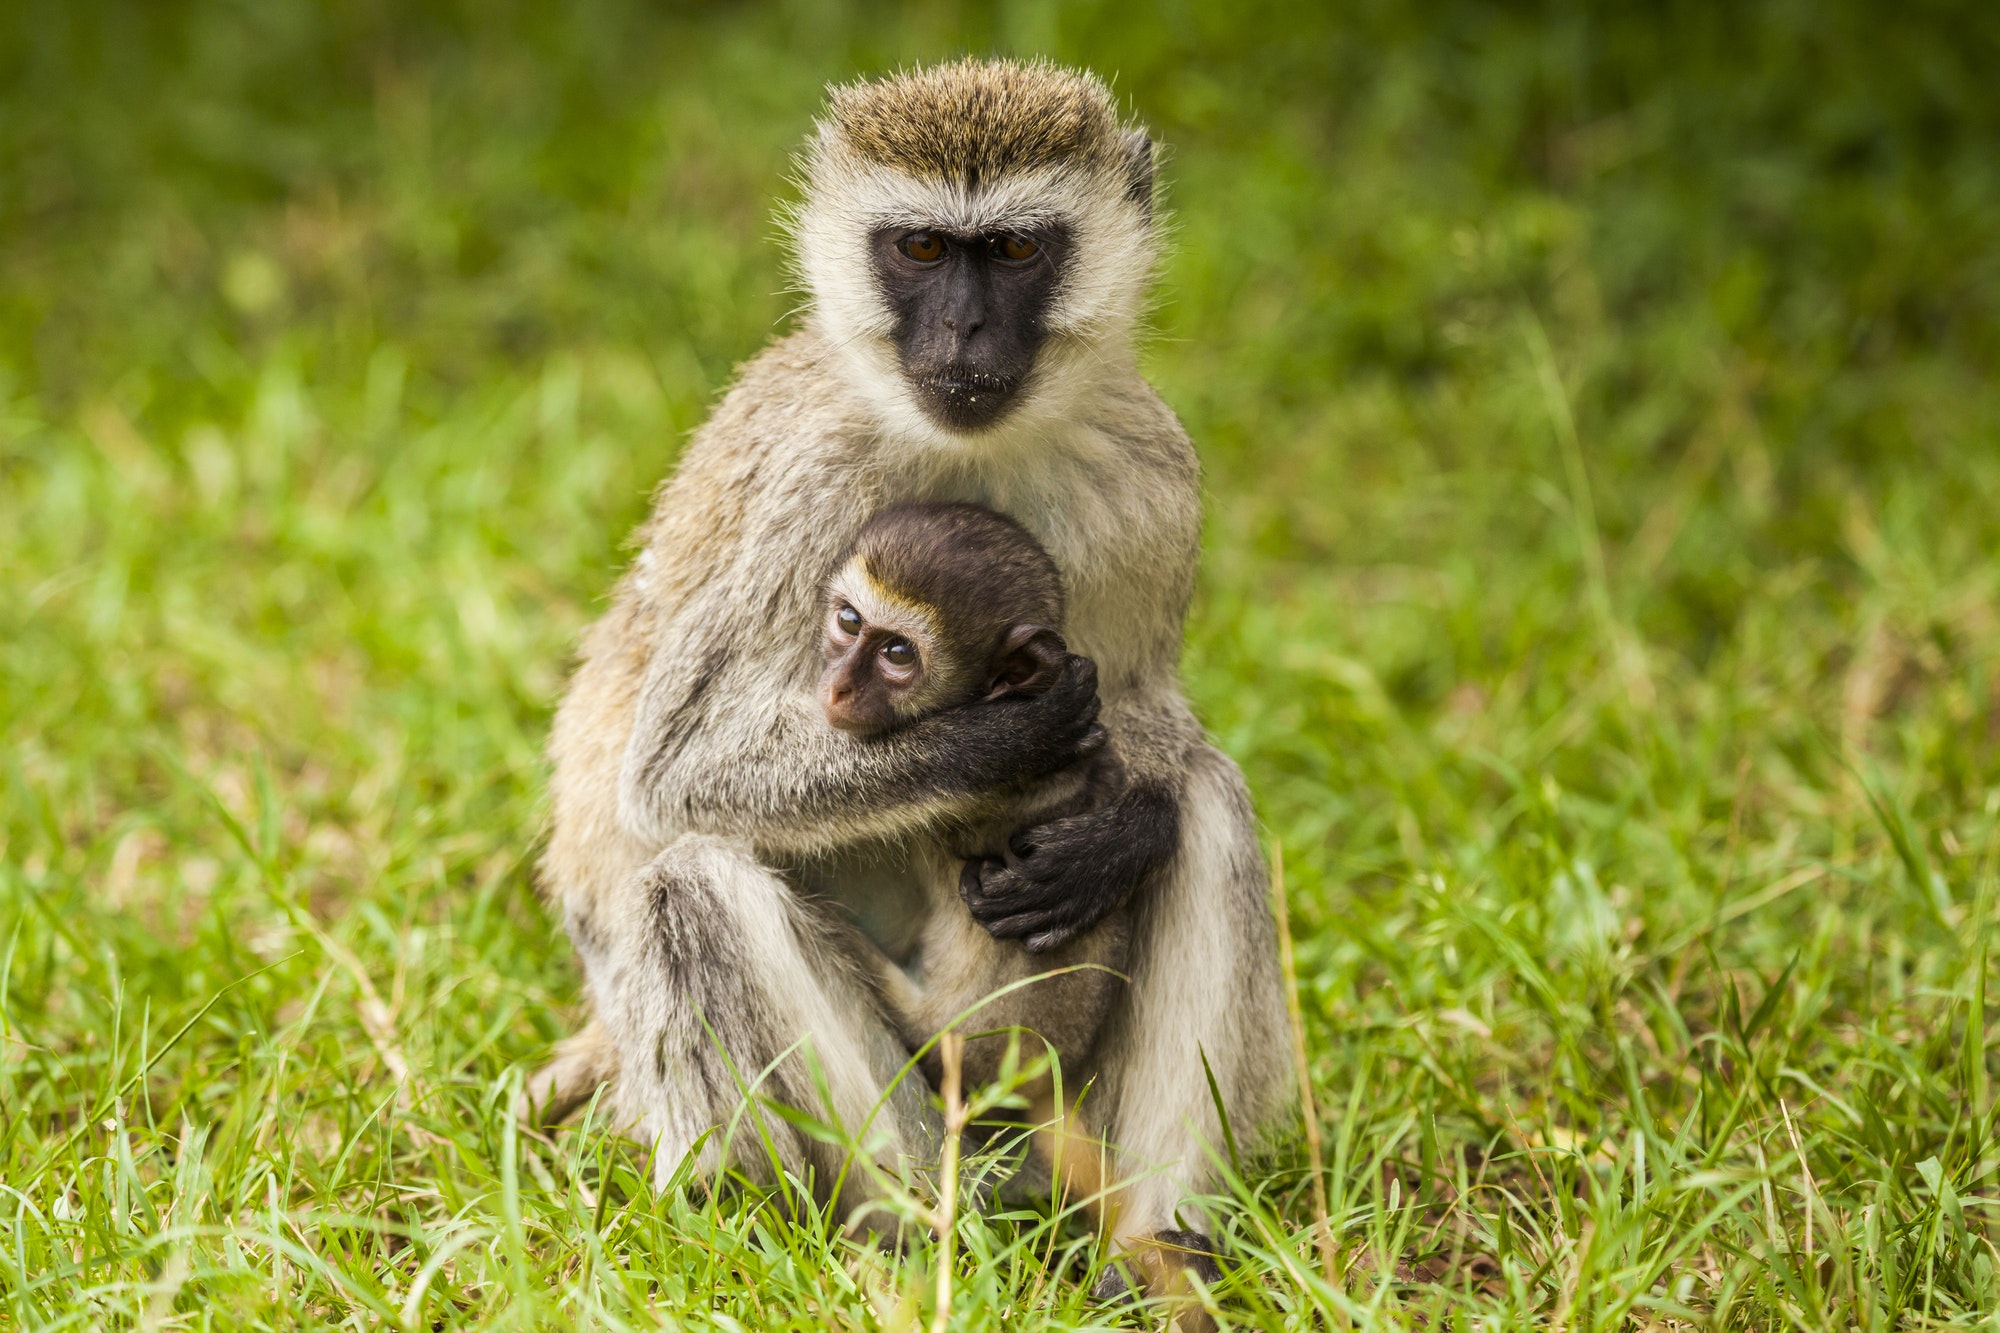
(964, 398)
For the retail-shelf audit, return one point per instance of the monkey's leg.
(707, 970)
(1205, 982)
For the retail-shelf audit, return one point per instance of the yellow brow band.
(891, 604)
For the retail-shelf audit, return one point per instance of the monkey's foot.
(1163, 1262)
(1113, 1288)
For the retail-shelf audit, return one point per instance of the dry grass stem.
(1315, 1151)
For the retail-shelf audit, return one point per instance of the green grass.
(1602, 593)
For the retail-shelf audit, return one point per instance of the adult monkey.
(976, 239)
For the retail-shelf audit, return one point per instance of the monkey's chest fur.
(887, 891)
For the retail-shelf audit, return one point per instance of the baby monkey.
(941, 606)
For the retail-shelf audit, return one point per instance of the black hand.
(1056, 881)
(1017, 739)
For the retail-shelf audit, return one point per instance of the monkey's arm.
(776, 773)
(1058, 879)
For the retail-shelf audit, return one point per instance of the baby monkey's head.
(938, 605)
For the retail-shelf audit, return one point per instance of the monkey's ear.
(1030, 659)
(1139, 170)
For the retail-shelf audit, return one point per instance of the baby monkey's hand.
(1057, 880)
(1027, 735)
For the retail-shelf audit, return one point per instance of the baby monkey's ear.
(1029, 660)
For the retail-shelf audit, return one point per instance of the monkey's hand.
(1057, 880)
(1017, 739)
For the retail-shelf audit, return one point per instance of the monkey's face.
(891, 657)
(970, 312)
(977, 240)
(878, 670)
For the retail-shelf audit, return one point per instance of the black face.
(971, 313)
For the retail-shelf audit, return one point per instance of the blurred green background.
(1602, 437)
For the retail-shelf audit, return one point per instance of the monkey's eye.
(900, 653)
(925, 247)
(849, 619)
(1018, 249)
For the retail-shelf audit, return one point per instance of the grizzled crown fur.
(971, 120)
(978, 147)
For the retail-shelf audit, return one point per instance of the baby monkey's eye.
(900, 653)
(849, 618)
(925, 247)
(1019, 249)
